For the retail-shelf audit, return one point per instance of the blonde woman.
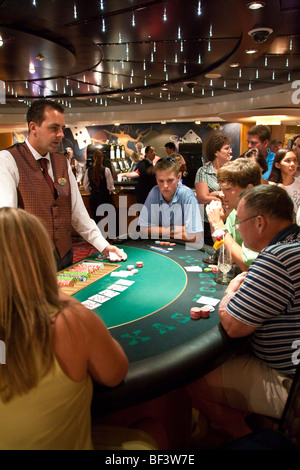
(54, 346)
(135, 160)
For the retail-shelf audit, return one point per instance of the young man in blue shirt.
(258, 138)
(171, 209)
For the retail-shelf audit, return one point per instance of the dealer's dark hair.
(269, 200)
(36, 111)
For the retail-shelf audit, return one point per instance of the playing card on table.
(125, 282)
(109, 293)
(118, 287)
(99, 298)
(90, 304)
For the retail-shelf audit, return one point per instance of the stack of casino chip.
(65, 281)
(200, 312)
(86, 268)
(81, 269)
(76, 275)
(195, 313)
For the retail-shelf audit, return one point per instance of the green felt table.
(151, 320)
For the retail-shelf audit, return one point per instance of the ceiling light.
(1, 41)
(198, 122)
(251, 51)
(212, 75)
(31, 68)
(268, 120)
(255, 5)
(234, 65)
(163, 122)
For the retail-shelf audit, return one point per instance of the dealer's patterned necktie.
(44, 165)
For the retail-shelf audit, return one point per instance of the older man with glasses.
(264, 305)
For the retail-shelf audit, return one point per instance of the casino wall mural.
(155, 134)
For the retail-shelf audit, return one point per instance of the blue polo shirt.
(183, 210)
(270, 160)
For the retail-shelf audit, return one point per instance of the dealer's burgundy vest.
(35, 196)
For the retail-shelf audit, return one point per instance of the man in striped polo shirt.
(264, 304)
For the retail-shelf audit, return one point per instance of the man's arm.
(9, 180)
(130, 174)
(233, 327)
(86, 226)
(215, 216)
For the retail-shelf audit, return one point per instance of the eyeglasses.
(237, 225)
(166, 158)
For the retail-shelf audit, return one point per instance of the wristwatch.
(222, 230)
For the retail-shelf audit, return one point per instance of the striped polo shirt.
(269, 300)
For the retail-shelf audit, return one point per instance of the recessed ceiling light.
(212, 75)
(255, 5)
(236, 64)
(251, 51)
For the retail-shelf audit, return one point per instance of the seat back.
(290, 421)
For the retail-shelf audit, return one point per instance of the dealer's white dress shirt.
(81, 221)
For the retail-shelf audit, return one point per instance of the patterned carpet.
(82, 249)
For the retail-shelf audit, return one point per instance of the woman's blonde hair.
(28, 294)
(135, 158)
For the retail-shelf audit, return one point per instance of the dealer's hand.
(113, 253)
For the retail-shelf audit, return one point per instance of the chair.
(286, 437)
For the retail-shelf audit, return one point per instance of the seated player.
(233, 177)
(54, 346)
(264, 305)
(171, 209)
